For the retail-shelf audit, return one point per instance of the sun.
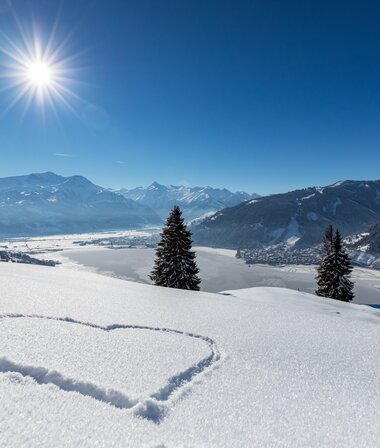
(40, 73)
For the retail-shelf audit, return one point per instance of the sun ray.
(40, 71)
(23, 91)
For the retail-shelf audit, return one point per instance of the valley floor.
(219, 270)
(109, 253)
(89, 360)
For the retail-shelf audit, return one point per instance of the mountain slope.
(298, 217)
(371, 240)
(365, 247)
(46, 203)
(96, 361)
(194, 202)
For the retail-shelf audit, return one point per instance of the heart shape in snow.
(130, 359)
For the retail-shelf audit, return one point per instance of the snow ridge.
(153, 408)
(46, 376)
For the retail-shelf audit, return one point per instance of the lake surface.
(219, 271)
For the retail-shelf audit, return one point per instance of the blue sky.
(263, 96)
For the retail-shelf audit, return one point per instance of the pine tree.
(324, 278)
(334, 272)
(175, 265)
(342, 285)
(329, 239)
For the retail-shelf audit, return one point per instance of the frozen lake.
(219, 270)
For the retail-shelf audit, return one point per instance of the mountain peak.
(45, 203)
(194, 201)
(79, 180)
(156, 186)
(44, 175)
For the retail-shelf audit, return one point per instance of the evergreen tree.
(342, 285)
(324, 276)
(334, 272)
(175, 265)
(329, 239)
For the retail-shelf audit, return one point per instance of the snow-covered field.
(53, 243)
(88, 360)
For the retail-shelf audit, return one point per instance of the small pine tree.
(334, 272)
(175, 265)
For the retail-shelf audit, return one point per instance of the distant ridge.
(195, 202)
(46, 203)
(296, 218)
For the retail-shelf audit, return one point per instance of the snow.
(293, 232)
(215, 216)
(87, 360)
(290, 234)
(101, 344)
(46, 200)
(352, 239)
(335, 205)
(201, 218)
(217, 251)
(195, 202)
(69, 241)
(291, 241)
(305, 198)
(337, 184)
(365, 258)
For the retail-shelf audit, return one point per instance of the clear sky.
(263, 96)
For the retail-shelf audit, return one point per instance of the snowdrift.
(90, 360)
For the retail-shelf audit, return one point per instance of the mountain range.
(194, 202)
(46, 203)
(297, 218)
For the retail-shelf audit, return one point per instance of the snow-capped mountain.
(46, 203)
(298, 217)
(194, 202)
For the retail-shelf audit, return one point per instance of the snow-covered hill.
(194, 201)
(87, 360)
(45, 203)
(299, 217)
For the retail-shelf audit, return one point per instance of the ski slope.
(87, 360)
